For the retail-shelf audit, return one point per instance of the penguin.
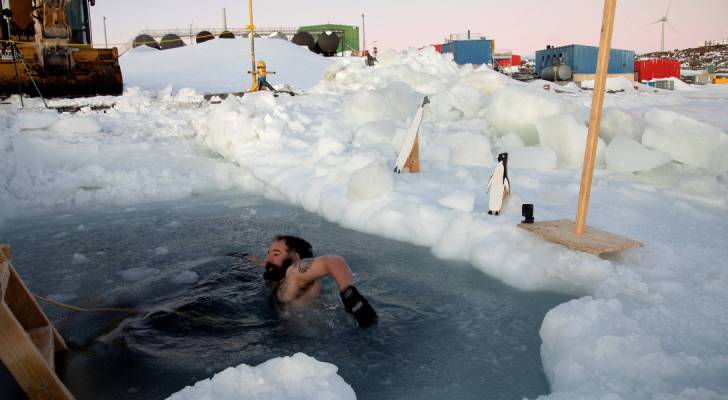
(499, 186)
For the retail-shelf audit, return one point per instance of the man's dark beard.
(274, 273)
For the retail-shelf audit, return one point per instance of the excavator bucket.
(42, 49)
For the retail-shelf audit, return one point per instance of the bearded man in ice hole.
(295, 275)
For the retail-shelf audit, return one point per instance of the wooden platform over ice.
(593, 240)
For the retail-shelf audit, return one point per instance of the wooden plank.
(605, 43)
(23, 304)
(594, 241)
(409, 153)
(58, 343)
(42, 338)
(4, 278)
(5, 272)
(413, 161)
(5, 254)
(25, 362)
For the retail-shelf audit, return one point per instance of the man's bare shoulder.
(317, 263)
(304, 265)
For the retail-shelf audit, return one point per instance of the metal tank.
(327, 43)
(302, 38)
(145, 40)
(204, 36)
(561, 72)
(171, 41)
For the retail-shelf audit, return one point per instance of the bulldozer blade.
(60, 71)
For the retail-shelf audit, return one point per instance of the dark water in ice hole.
(446, 330)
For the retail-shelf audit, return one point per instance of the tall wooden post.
(576, 234)
(605, 44)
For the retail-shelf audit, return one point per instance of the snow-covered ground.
(219, 66)
(647, 323)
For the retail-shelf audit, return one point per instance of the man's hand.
(357, 305)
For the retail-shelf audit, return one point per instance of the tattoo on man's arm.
(304, 264)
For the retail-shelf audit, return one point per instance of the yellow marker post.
(251, 30)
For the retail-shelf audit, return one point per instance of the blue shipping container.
(475, 51)
(583, 59)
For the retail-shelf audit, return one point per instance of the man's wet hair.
(294, 243)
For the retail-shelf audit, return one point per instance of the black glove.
(357, 305)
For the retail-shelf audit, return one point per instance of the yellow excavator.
(46, 51)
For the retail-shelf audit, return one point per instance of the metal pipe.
(364, 34)
(106, 42)
(87, 17)
(14, 48)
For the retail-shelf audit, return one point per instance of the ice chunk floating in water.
(278, 378)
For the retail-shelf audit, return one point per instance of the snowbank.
(616, 122)
(220, 66)
(615, 84)
(567, 138)
(687, 140)
(627, 155)
(519, 110)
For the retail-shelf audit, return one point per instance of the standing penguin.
(499, 187)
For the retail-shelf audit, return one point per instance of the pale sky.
(523, 26)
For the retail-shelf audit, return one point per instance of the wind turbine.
(664, 21)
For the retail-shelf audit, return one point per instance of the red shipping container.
(503, 62)
(438, 48)
(648, 70)
(515, 61)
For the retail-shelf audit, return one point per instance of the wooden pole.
(576, 234)
(605, 44)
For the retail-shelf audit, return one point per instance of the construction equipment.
(46, 51)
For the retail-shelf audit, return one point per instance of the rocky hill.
(697, 58)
